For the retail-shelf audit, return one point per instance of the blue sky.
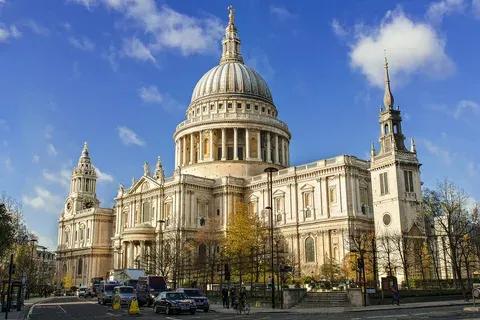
(119, 74)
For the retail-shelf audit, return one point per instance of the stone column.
(235, 143)
(212, 156)
(224, 144)
(176, 154)
(276, 160)
(269, 147)
(191, 148)
(283, 151)
(288, 152)
(247, 144)
(184, 150)
(142, 249)
(200, 152)
(259, 146)
(130, 254)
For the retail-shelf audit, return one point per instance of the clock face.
(69, 206)
(88, 204)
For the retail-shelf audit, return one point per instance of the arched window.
(202, 253)
(206, 147)
(395, 128)
(80, 266)
(309, 250)
(385, 130)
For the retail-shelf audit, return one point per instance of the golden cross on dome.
(231, 15)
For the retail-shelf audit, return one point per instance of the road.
(63, 308)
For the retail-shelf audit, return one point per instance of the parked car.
(83, 292)
(125, 294)
(148, 288)
(105, 292)
(173, 302)
(201, 301)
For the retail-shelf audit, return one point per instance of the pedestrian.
(233, 297)
(225, 297)
(395, 295)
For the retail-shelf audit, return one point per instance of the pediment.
(279, 193)
(307, 187)
(252, 198)
(144, 184)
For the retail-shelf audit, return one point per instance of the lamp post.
(270, 171)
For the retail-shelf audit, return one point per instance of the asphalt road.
(63, 308)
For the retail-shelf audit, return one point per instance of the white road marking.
(62, 309)
(388, 316)
(64, 303)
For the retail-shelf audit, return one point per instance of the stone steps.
(324, 299)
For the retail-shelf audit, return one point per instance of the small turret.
(146, 169)
(413, 147)
(372, 150)
(159, 173)
(231, 41)
(388, 100)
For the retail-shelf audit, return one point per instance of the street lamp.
(270, 171)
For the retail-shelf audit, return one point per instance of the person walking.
(225, 297)
(395, 295)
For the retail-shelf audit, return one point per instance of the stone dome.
(232, 77)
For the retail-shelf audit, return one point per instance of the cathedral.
(230, 135)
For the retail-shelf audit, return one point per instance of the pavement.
(23, 313)
(327, 310)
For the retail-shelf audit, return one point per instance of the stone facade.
(84, 229)
(230, 135)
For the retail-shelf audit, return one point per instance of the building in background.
(84, 229)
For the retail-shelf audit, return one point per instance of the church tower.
(83, 185)
(395, 173)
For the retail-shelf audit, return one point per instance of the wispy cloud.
(134, 48)
(466, 107)
(7, 33)
(61, 177)
(35, 158)
(338, 29)
(150, 94)
(476, 8)
(36, 28)
(445, 155)
(43, 200)
(48, 131)
(411, 47)
(82, 43)
(439, 9)
(103, 176)
(129, 137)
(51, 150)
(7, 162)
(165, 27)
(281, 13)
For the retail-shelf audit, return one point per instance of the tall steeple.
(388, 96)
(231, 41)
(83, 184)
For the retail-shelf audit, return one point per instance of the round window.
(387, 219)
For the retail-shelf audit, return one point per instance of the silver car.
(124, 294)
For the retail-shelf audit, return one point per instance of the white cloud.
(7, 33)
(82, 43)
(129, 137)
(51, 150)
(438, 10)
(338, 29)
(43, 240)
(150, 94)
(61, 177)
(165, 27)
(411, 47)
(103, 176)
(445, 155)
(36, 28)
(473, 168)
(35, 158)
(466, 106)
(259, 61)
(281, 13)
(476, 8)
(134, 48)
(43, 200)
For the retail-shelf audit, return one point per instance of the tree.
(208, 239)
(447, 209)
(386, 257)
(402, 247)
(330, 270)
(7, 231)
(244, 237)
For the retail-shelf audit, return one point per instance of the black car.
(173, 302)
(201, 301)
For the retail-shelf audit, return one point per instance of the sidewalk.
(219, 308)
(14, 314)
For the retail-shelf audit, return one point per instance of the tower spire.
(231, 41)
(388, 96)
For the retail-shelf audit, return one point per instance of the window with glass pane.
(309, 250)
